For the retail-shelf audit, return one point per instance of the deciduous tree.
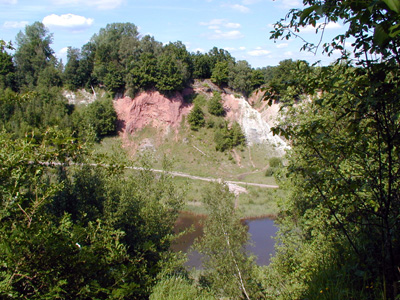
(343, 165)
(228, 268)
(33, 53)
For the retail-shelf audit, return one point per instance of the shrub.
(275, 162)
(226, 138)
(215, 106)
(196, 118)
(270, 172)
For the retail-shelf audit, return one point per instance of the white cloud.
(8, 1)
(63, 51)
(233, 49)
(310, 28)
(62, 54)
(249, 2)
(199, 50)
(348, 45)
(288, 53)
(290, 4)
(282, 45)
(232, 25)
(332, 25)
(99, 4)
(15, 24)
(258, 52)
(218, 23)
(70, 21)
(213, 22)
(230, 49)
(237, 7)
(229, 35)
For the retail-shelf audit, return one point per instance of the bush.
(270, 172)
(98, 118)
(275, 162)
(196, 118)
(226, 138)
(215, 106)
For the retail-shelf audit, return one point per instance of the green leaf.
(306, 13)
(380, 36)
(394, 30)
(393, 5)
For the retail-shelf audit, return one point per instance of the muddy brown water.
(261, 232)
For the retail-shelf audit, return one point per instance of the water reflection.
(262, 232)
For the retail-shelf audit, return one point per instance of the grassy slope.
(180, 150)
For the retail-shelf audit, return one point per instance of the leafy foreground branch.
(79, 232)
(340, 230)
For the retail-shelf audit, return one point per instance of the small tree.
(33, 53)
(238, 137)
(215, 106)
(227, 268)
(196, 118)
(344, 161)
(226, 138)
(7, 69)
(98, 118)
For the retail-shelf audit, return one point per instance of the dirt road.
(233, 185)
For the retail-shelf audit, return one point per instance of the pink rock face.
(256, 97)
(231, 106)
(150, 108)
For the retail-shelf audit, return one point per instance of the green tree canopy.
(220, 73)
(201, 65)
(7, 69)
(78, 231)
(33, 53)
(240, 77)
(289, 80)
(72, 75)
(343, 166)
(114, 47)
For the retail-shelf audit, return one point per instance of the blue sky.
(240, 26)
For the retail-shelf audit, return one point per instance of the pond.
(261, 232)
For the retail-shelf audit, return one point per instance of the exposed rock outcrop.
(150, 108)
(79, 97)
(165, 114)
(256, 129)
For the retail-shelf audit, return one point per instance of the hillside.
(165, 115)
(155, 125)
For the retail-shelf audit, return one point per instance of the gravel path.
(234, 186)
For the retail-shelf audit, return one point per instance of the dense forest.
(76, 225)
